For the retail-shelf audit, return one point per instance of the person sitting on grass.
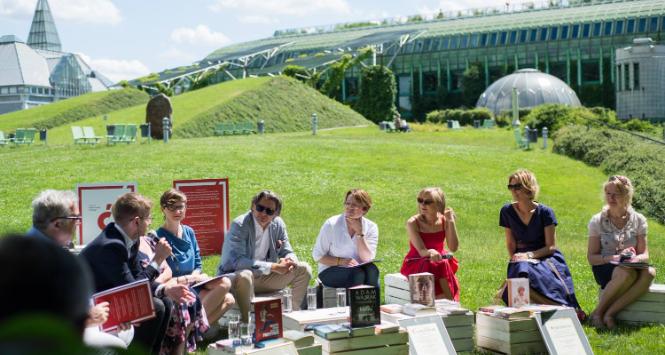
(618, 233)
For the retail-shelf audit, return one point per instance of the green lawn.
(312, 173)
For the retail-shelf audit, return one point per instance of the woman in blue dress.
(186, 263)
(531, 242)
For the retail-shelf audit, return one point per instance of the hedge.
(620, 153)
(465, 117)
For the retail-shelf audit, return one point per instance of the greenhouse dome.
(533, 88)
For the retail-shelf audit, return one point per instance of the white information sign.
(427, 333)
(563, 333)
(95, 201)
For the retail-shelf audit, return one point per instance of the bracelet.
(338, 260)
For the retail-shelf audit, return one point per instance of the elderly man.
(257, 249)
(55, 215)
(113, 259)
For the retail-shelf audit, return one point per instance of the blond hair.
(624, 188)
(438, 197)
(528, 181)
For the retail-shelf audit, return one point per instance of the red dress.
(445, 268)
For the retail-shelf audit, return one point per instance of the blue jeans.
(337, 276)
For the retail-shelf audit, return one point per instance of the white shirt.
(334, 240)
(262, 243)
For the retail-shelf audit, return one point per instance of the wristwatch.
(361, 235)
(529, 254)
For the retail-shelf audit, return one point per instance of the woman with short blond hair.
(531, 242)
(347, 243)
(428, 230)
(618, 234)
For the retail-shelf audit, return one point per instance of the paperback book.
(364, 305)
(417, 309)
(130, 303)
(421, 288)
(268, 318)
(518, 292)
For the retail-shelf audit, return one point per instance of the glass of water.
(311, 298)
(234, 328)
(341, 300)
(246, 335)
(287, 300)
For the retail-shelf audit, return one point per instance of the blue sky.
(125, 39)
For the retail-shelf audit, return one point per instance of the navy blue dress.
(551, 276)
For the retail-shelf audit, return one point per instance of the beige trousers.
(246, 284)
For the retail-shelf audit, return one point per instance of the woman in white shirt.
(618, 237)
(346, 245)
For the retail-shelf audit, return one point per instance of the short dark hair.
(271, 196)
(42, 278)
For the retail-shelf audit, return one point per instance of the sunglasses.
(424, 202)
(514, 186)
(266, 210)
(621, 179)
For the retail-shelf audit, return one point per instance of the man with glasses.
(113, 259)
(55, 215)
(257, 249)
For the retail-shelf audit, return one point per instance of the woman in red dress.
(427, 232)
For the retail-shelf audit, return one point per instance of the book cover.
(204, 284)
(421, 288)
(518, 292)
(300, 339)
(268, 318)
(364, 306)
(127, 303)
(332, 331)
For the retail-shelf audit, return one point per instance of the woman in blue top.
(531, 241)
(186, 260)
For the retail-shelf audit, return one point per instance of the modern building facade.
(576, 42)
(38, 72)
(640, 88)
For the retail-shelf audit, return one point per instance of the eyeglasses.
(74, 217)
(146, 218)
(266, 210)
(514, 186)
(174, 208)
(424, 202)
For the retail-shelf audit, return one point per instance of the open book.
(202, 284)
(128, 303)
(361, 264)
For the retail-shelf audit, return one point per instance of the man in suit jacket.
(112, 257)
(257, 249)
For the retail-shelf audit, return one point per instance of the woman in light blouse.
(618, 234)
(346, 245)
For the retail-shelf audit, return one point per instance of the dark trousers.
(150, 333)
(337, 276)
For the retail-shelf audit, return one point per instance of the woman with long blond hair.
(618, 235)
(428, 230)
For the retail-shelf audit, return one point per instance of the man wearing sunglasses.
(257, 249)
(55, 215)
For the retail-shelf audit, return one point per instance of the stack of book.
(458, 320)
(510, 330)
(649, 308)
(385, 339)
(397, 289)
(225, 347)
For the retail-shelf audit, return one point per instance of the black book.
(364, 304)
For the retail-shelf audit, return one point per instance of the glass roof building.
(533, 87)
(38, 72)
(575, 42)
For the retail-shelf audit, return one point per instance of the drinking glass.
(287, 300)
(341, 300)
(245, 335)
(234, 328)
(311, 298)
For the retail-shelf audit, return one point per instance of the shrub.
(377, 92)
(620, 153)
(465, 117)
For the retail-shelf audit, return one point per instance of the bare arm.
(414, 237)
(641, 249)
(511, 245)
(451, 230)
(593, 251)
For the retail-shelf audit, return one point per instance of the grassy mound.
(73, 109)
(285, 104)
